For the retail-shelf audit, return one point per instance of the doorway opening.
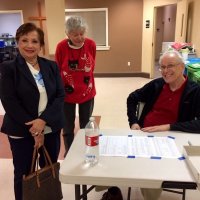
(165, 24)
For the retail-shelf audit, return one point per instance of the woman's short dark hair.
(27, 28)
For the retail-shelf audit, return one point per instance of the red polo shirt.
(166, 107)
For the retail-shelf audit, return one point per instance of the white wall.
(55, 13)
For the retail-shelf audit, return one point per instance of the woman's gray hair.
(170, 53)
(75, 23)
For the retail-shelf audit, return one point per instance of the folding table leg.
(129, 193)
(77, 192)
(177, 192)
(84, 191)
(183, 195)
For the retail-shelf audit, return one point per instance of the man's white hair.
(173, 53)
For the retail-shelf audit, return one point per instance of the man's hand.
(165, 127)
(135, 127)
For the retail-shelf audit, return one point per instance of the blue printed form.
(139, 146)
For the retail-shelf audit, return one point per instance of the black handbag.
(44, 183)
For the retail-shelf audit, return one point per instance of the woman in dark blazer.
(32, 95)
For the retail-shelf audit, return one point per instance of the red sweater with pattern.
(76, 68)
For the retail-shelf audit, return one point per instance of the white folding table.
(131, 172)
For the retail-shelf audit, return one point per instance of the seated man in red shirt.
(171, 103)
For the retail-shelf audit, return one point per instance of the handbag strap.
(47, 157)
(35, 161)
(35, 156)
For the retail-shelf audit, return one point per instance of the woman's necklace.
(33, 64)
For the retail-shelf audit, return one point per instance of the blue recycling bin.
(2, 44)
(193, 60)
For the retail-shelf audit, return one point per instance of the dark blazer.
(20, 96)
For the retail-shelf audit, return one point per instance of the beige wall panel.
(55, 22)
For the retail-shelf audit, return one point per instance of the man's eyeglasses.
(168, 67)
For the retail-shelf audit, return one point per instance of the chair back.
(140, 107)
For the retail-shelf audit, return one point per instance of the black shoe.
(113, 193)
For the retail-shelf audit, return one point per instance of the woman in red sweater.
(75, 57)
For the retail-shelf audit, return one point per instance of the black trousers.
(85, 111)
(22, 151)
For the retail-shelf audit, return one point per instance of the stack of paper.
(139, 146)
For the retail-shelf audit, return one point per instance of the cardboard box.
(192, 155)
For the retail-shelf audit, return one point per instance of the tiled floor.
(110, 104)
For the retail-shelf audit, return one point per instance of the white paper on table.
(139, 146)
(113, 145)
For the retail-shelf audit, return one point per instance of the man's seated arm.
(135, 126)
(164, 127)
(189, 112)
(147, 94)
(192, 126)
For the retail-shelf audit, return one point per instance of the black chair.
(140, 107)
